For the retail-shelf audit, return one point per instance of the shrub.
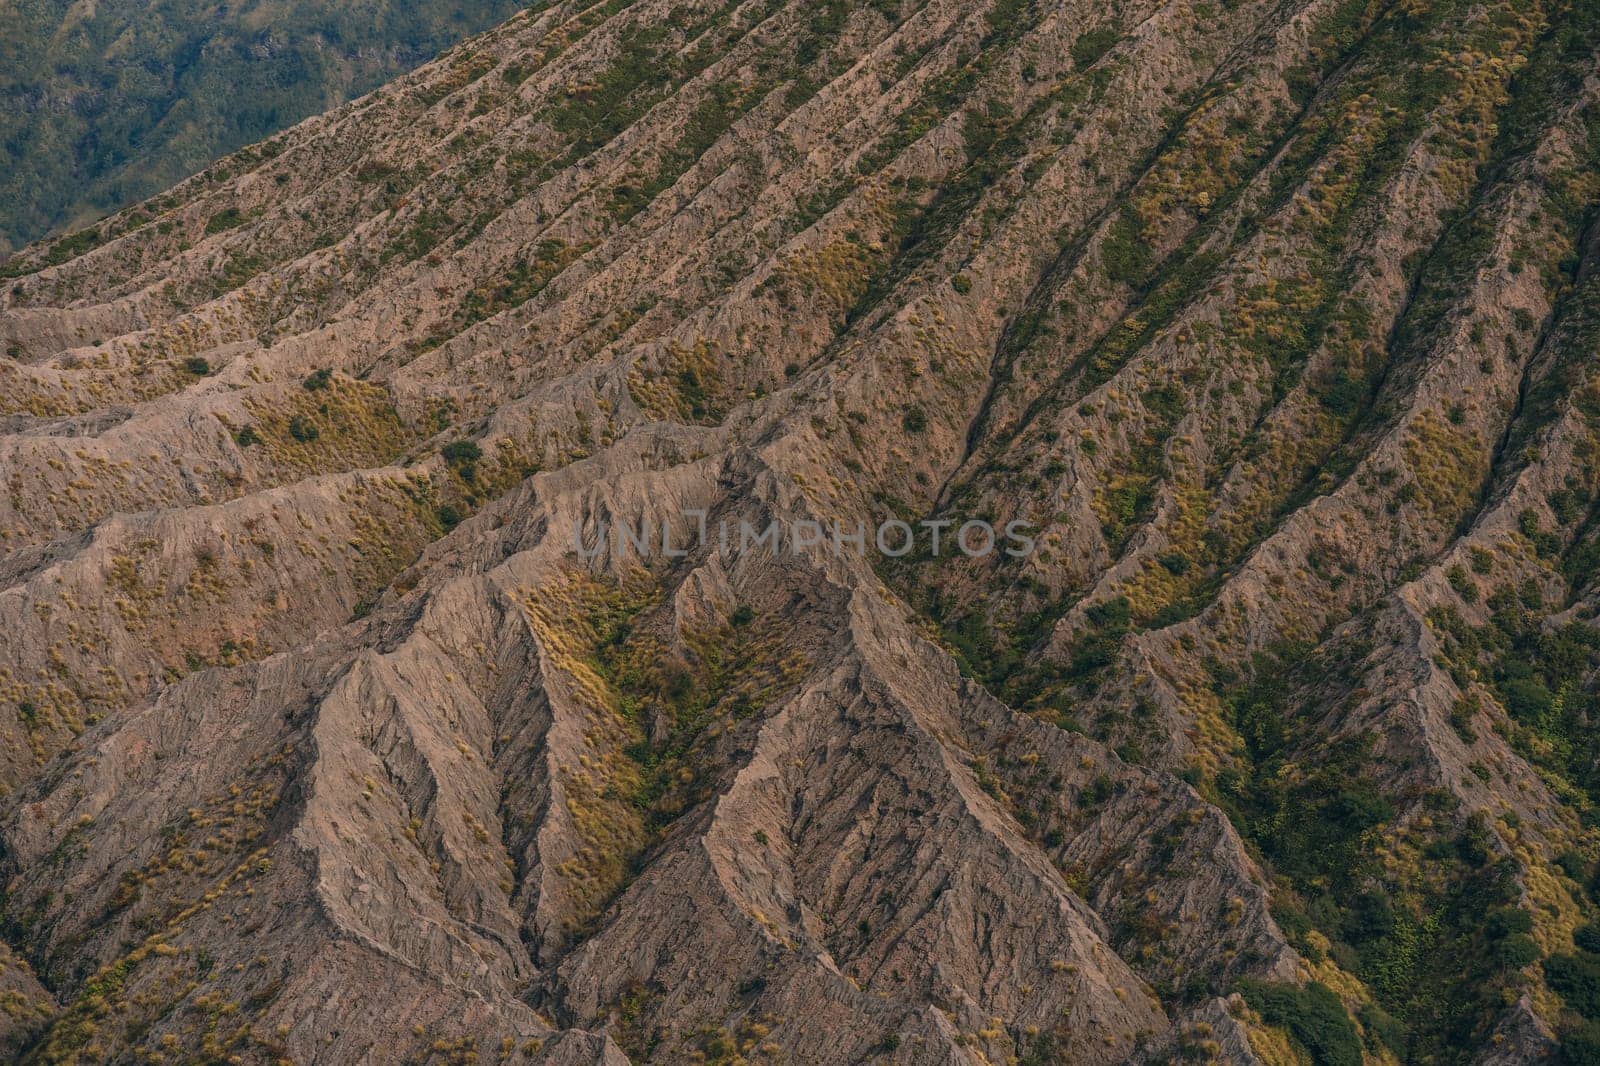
(742, 615)
(1577, 979)
(1314, 1017)
(318, 379)
(1340, 393)
(915, 420)
(303, 429)
(1124, 252)
(223, 220)
(1176, 563)
(961, 283)
(197, 365)
(1385, 1028)
(1165, 402)
(1516, 951)
(1508, 920)
(245, 436)
(1109, 621)
(461, 452)
(1371, 916)
(1092, 46)
(1544, 543)
(1580, 1045)
(1526, 699)
(1457, 576)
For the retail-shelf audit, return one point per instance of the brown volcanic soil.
(1276, 320)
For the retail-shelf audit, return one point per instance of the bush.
(197, 365)
(1124, 252)
(1516, 951)
(1109, 621)
(1385, 1028)
(915, 420)
(1176, 563)
(1509, 920)
(1089, 48)
(1313, 1015)
(1587, 937)
(303, 429)
(1340, 393)
(1457, 576)
(461, 452)
(1371, 917)
(1580, 1045)
(1577, 979)
(318, 379)
(245, 436)
(1527, 700)
(223, 220)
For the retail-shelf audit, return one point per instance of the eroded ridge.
(1275, 322)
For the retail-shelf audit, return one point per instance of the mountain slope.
(1276, 322)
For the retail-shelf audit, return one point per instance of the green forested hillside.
(103, 102)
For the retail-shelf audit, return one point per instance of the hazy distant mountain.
(104, 102)
(1273, 323)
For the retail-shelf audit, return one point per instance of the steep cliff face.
(1275, 322)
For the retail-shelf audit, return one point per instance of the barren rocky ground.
(1276, 321)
